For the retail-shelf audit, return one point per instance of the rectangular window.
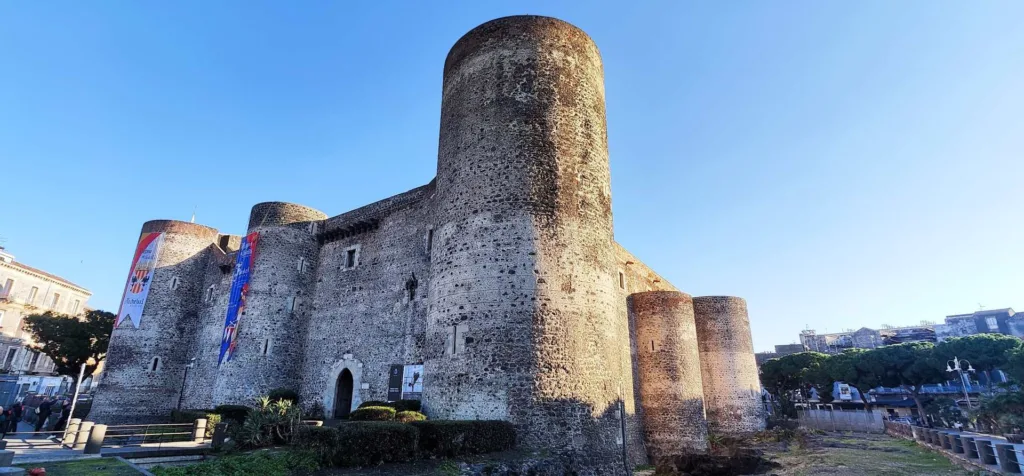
(350, 258)
(302, 264)
(2, 323)
(74, 308)
(993, 324)
(209, 294)
(622, 280)
(35, 358)
(32, 295)
(10, 358)
(430, 240)
(56, 301)
(8, 287)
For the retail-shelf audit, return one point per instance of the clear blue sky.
(837, 164)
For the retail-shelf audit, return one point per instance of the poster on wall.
(405, 382)
(236, 300)
(412, 382)
(395, 383)
(139, 278)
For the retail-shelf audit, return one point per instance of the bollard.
(83, 435)
(72, 430)
(220, 433)
(199, 430)
(95, 442)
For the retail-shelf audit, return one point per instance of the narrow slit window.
(156, 364)
(174, 283)
(652, 346)
(430, 240)
(266, 346)
(290, 304)
(209, 294)
(622, 280)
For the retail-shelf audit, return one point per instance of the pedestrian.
(16, 413)
(4, 418)
(42, 413)
(65, 414)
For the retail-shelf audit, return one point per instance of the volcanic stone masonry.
(501, 277)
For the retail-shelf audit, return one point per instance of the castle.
(499, 284)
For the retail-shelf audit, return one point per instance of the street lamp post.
(181, 393)
(956, 367)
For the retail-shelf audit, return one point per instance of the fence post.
(83, 435)
(199, 430)
(95, 441)
(71, 431)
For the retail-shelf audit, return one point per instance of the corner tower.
(669, 373)
(732, 388)
(145, 365)
(272, 331)
(522, 323)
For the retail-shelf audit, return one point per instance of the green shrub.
(269, 423)
(406, 405)
(283, 394)
(265, 463)
(323, 441)
(449, 438)
(190, 416)
(367, 443)
(362, 443)
(236, 413)
(409, 417)
(373, 414)
(373, 403)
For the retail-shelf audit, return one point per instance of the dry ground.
(857, 454)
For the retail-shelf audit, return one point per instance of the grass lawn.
(867, 454)
(85, 467)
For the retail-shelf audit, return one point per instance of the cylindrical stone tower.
(145, 366)
(272, 331)
(522, 322)
(669, 374)
(732, 389)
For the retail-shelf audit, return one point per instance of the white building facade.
(24, 291)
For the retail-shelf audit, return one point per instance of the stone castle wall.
(669, 378)
(501, 277)
(732, 389)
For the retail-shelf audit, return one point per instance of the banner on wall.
(236, 300)
(139, 278)
(412, 382)
(405, 382)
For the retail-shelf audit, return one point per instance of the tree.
(909, 366)
(788, 374)
(71, 342)
(985, 352)
(1015, 364)
(857, 367)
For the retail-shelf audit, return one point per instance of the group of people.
(9, 417)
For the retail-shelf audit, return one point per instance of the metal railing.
(91, 438)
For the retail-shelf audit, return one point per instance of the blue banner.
(236, 301)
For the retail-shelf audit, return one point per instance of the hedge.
(283, 394)
(450, 438)
(409, 417)
(236, 413)
(360, 443)
(190, 416)
(399, 406)
(373, 414)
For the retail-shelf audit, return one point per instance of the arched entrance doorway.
(343, 395)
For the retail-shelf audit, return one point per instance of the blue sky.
(837, 164)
